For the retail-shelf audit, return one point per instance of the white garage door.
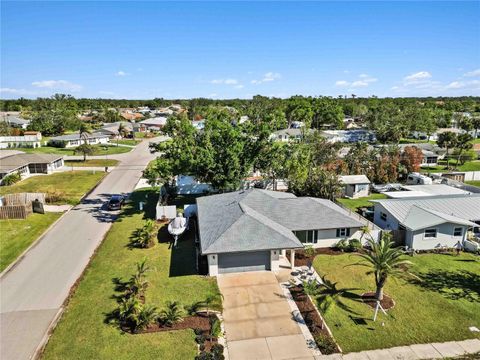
(244, 261)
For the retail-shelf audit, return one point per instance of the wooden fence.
(23, 198)
(19, 206)
(15, 211)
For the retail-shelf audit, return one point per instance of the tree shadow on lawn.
(452, 285)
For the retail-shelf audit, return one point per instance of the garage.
(244, 261)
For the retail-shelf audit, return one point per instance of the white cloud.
(267, 77)
(455, 85)
(121, 73)
(473, 73)
(364, 81)
(57, 84)
(417, 77)
(7, 90)
(240, 86)
(224, 81)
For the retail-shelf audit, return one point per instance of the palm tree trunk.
(84, 156)
(379, 293)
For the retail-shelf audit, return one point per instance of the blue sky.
(239, 49)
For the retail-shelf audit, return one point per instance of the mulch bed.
(190, 322)
(302, 260)
(310, 315)
(369, 299)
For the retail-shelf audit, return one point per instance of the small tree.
(11, 179)
(384, 260)
(172, 314)
(309, 251)
(447, 140)
(84, 149)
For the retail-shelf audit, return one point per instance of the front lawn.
(173, 278)
(91, 162)
(99, 150)
(354, 204)
(126, 142)
(473, 182)
(468, 166)
(440, 307)
(18, 234)
(62, 188)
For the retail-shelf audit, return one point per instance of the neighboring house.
(251, 229)
(199, 124)
(111, 129)
(156, 123)
(355, 186)
(292, 134)
(74, 140)
(27, 164)
(429, 222)
(349, 136)
(29, 139)
(429, 158)
(189, 185)
(16, 122)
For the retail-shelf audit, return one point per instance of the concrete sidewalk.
(449, 349)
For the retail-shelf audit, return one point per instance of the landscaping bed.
(370, 299)
(314, 322)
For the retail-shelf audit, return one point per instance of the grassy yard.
(172, 278)
(354, 204)
(473, 182)
(439, 307)
(67, 186)
(127, 142)
(18, 234)
(91, 162)
(99, 150)
(468, 166)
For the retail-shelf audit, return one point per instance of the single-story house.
(111, 129)
(292, 134)
(251, 230)
(16, 122)
(349, 136)
(156, 123)
(188, 185)
(429, 222)
(26, 164)
(199, 124)
(355, 186)
(410, 191)
(74, 140)
(29, 139)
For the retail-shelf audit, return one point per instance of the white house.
(292, 134)
(74, 140)
(355, 186)
(32, 139)
(16, 122)
(251, 230)
(27, 164)
(429, 222)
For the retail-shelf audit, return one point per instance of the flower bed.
(314, 322)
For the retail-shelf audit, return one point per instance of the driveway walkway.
(258, 320)
(32, 293)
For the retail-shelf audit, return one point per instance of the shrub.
(55, 196)
(11, 179)
(200, 338)
(171, 315)
(325, 344)
(204, 356)
(217, 352)
(215, 328)
(354, 245)
(342, 245)
(309, 251)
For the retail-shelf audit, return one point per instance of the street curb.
(53, 324)
(32, 245)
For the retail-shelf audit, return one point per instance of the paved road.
(33, 291)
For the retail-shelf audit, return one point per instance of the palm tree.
(172, 314)
(84, 149)
(384, 261)
(330, 296)
(147, 315)
(83, 133)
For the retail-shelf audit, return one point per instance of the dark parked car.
(115, 202)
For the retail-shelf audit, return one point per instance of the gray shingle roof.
(13, 162)
(260, 220)
(76, 136)
(465, 207)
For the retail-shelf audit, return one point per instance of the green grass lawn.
(438, 308)
(68, 186)
(18, 234)
(415, 141)
(468, 166)
(99, 150)
(354, 204)
(82, 332)
(473, 182)
(91, 162)
(126, 142)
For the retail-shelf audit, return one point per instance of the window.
(458, 231)
(430, 233)
(383, 216)
(343, 232)
(307, 236)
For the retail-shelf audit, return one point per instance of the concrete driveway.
(258, 320)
